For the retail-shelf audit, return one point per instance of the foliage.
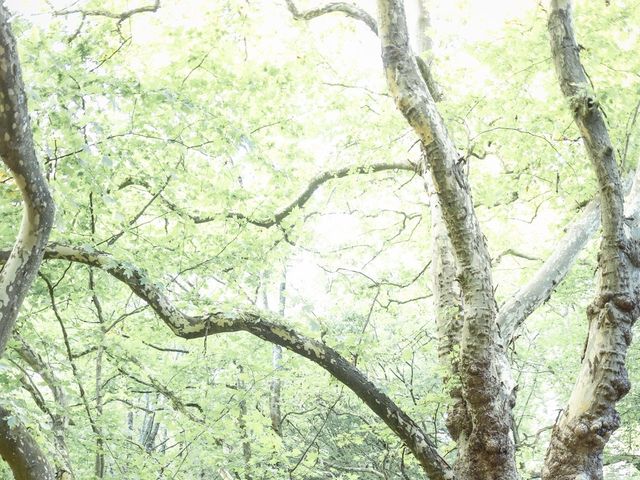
(208, 109)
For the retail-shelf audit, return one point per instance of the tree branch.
(298, 202)
(348, 9)
(269, 327)
(20, 450)
(356, 12)
(121, 17)
(547, 278)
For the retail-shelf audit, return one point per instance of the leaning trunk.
(585, 426)
(485, 445)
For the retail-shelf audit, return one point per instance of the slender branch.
(358, 13)
(348, 9)
(121, 17)
(298, 202)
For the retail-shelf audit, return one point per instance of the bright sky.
(484, 16)
(455, 21)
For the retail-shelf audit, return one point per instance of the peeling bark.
(18, 154)
(20, 450)
(488, 450)
(448, 305)
(17, 446)
(269, 327)
(585, 426)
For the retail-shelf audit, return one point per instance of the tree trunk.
(275, 409)
(17, 446)
(485, 445)
(586, 424)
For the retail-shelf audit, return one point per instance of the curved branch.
(268, 327)
(17, 152)
(304, 196)
(19, 449)
(121, 17)
(547, 278)
(356, 12)
(298, 202)
(348, 9)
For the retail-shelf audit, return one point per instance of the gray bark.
(487, 450)
(586, 424)
(17, 446)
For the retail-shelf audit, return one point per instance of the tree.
(120, 197)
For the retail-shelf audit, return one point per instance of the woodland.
(300, 239)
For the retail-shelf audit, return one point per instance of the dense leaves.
(163, 136)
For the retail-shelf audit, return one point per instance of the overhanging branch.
(121, 17)
(269, 327)
(348, 9)
(298, 202)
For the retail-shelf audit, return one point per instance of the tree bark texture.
(18, 154)
(586, 424)
(17, 447)
(488, 450)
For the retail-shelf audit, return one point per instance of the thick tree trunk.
(585, 426)
(485, 447)
(448, 305)
(18, 154)
(17, 446)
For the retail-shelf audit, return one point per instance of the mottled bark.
(448, 305)
(17, 446)
(18, 154)
(19, 449)
(269, 327)
(488, 450)
(586, 424)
